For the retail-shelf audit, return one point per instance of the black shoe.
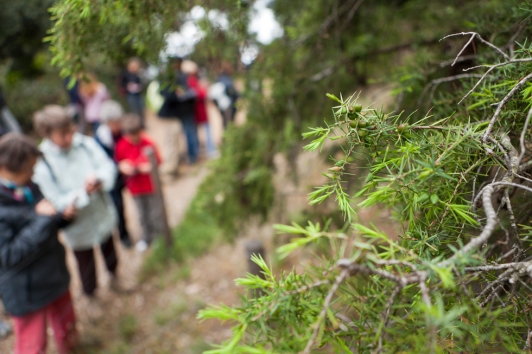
(127, 243)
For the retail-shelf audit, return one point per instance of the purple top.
(93, 104)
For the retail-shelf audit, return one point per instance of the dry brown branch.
(491, 67)
(502, 103)
(486, 232)
(323, 313)
(436, 82)
(473, 36)
(522, 137)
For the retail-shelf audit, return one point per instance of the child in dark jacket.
(34, 279)
(133, 162)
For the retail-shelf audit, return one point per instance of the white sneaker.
(141, 246)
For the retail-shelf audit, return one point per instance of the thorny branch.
(434, 83)
(404, 273)
(491, 68)
(326, 304)
(473, 35)
(502, 103)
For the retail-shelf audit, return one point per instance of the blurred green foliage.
(23, 24)
(24, 95)
(128, 326)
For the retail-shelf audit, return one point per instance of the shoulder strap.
(85, 148)
(88, 152)
(52, 173)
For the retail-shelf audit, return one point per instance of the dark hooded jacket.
(33, 271)
(178, 106)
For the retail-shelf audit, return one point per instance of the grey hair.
(110, 111)
(50, 118)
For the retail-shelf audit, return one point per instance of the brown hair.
(134, 60)
(131, 124)
(226, 68)
(50, 118)
(88, 85)
(16, 150)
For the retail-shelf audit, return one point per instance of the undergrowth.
(191, 238)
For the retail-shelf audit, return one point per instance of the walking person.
(179, 103)
(34, 279)
(75, 169)
(93, 93)
(131, 85)
(133, 162)
(224, 94)
(200, 109)
(109, 133)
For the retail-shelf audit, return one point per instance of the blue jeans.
(136, 105)
(211, 149)
(191, 133)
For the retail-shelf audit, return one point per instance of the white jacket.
(61, 175)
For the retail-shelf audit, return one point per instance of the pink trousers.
(30, 330)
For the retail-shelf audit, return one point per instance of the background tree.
(26, 79)
(23, 24)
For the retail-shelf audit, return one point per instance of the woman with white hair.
(107, 135)
(76, 171)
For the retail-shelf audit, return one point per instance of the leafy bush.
(457, 279)
(25, 96)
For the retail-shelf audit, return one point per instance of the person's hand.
(70, 212)
(92, 184)
(134, 87)
(45, 208)
(127, 168)
(145, 168)
(179, 91)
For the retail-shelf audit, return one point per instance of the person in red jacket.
(131, 155)
(200, 109)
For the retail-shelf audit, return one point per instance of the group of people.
(186, 100)
(70, 182)
(88, 93)
(73, 182)
(184, 104)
